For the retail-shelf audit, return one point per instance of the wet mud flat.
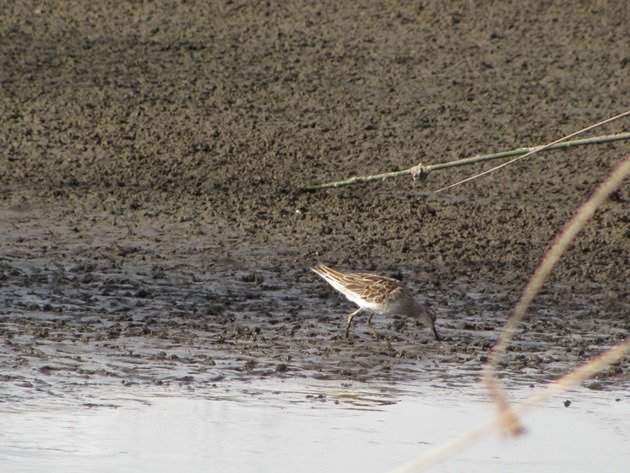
(152, 230)
(117, 302)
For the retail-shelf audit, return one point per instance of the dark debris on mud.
(96, 316)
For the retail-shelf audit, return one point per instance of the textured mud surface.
(150, 159)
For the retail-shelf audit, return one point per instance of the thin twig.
(542, 148)
(549, 260)
(420, 169)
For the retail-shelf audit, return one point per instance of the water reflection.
(273, 427)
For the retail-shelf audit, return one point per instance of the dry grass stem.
(474, 435)
(507, 419)
(549, 260)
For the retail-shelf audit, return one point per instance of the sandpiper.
(376, 295)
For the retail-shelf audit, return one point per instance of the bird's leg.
(370, 326)
(350, 317)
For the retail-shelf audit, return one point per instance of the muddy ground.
(151, 157)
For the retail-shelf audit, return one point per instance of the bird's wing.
(370, 287)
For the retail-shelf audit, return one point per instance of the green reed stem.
(423, 170)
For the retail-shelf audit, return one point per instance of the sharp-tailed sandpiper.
(376, 295)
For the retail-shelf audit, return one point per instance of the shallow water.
(287, 426)
(119, 354)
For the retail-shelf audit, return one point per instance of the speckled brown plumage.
(369, 287)
(376, 294)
